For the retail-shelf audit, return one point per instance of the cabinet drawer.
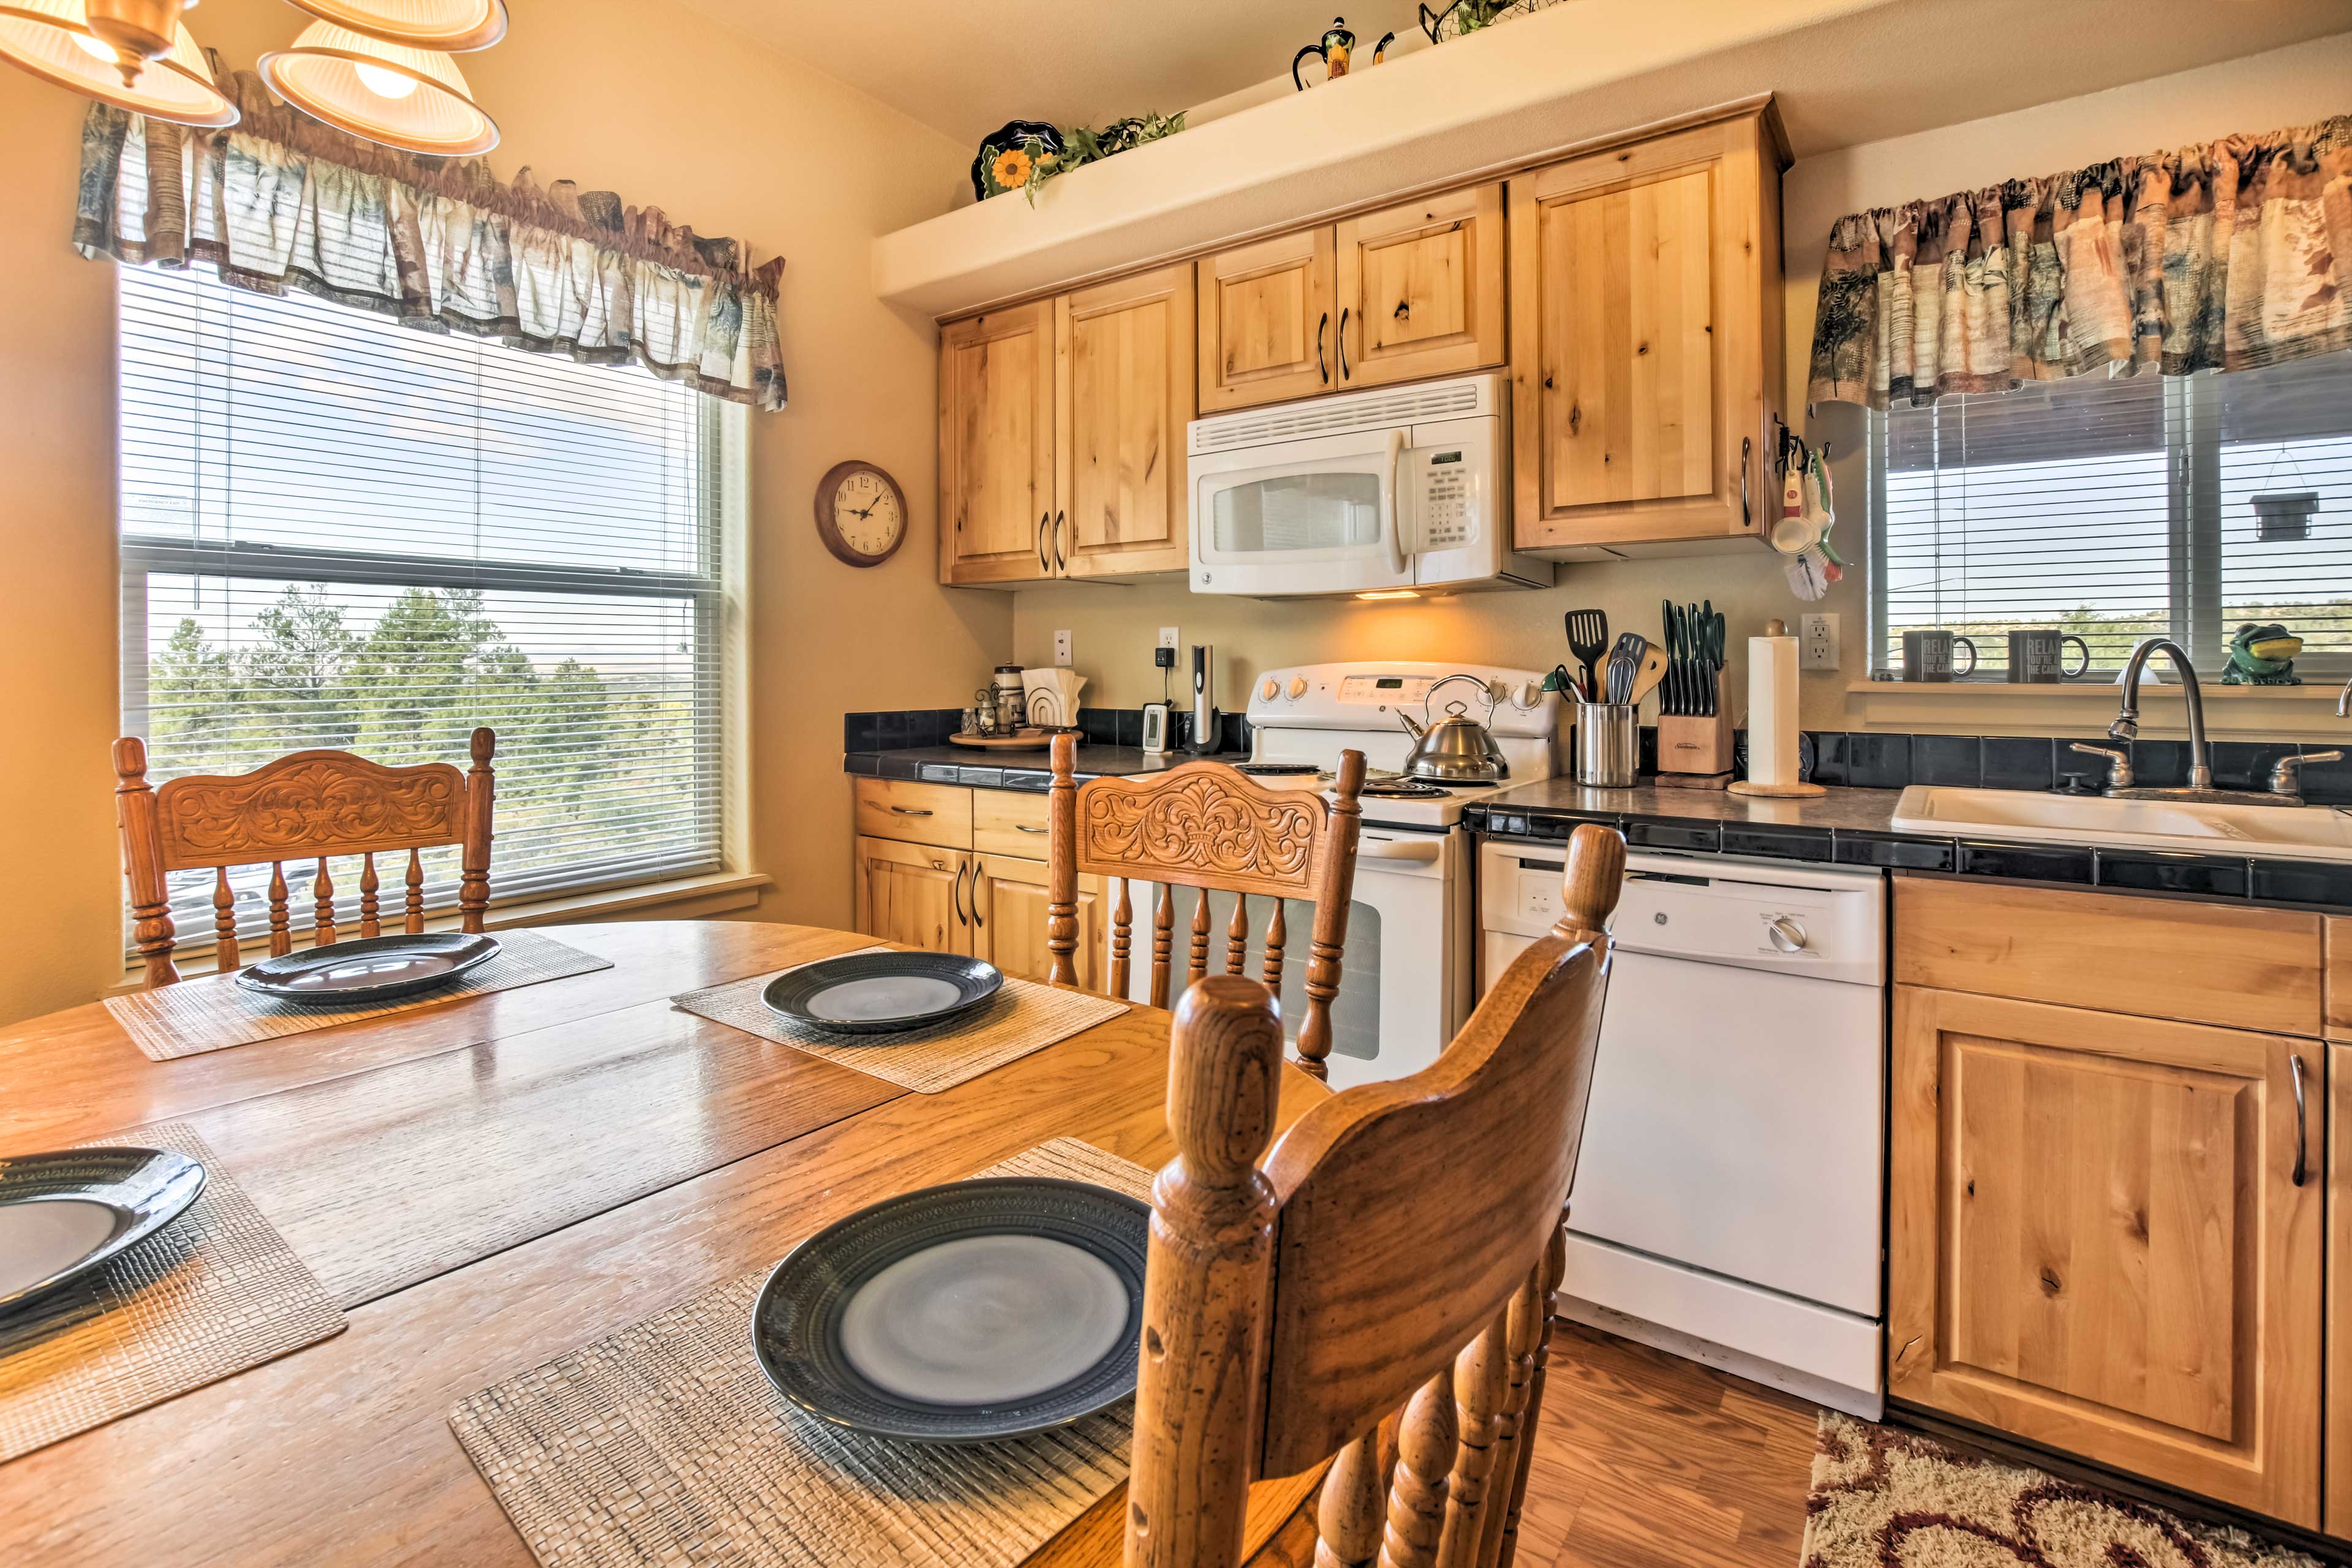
(2339, 978)
(915, 813)
(1009, 822)
(2205, 963)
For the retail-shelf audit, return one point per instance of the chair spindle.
(369, 925)
(1164, 943)
(1197, 968)
(281, 926)
(1481, 1375)
(151, 893)
(1329, 936)
(1425, 1446)
(1237, 935)
(1122, 939)
(322, 930)
(474, 854)
(1555, 1269)
(414, 923)
(1348, 1512)
(224, 921)
(1276, 933)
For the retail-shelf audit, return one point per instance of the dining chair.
(1401, 1248)
(305, 804)
(1205, 825)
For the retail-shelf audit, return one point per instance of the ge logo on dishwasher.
(1660, 917)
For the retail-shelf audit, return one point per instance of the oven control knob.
(1269, 689)
(1530, 694)
(1298, 687)
(1786, 935)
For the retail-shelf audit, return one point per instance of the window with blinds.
(2121, 509)
(341, 531)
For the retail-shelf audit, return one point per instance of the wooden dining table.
(489, 1182)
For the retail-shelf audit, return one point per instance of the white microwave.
(1400, 491)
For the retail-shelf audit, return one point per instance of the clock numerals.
(865, 520)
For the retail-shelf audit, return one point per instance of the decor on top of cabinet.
(2262, 654)
(1043, 152)
(1335, 47)
(2125, 263)
(1464, 17)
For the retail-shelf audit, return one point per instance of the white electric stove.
(1407, 975)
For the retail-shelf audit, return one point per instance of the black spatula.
(1588, 639)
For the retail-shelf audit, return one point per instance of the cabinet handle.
(1045, 564)
(1320, 368)
(1745, 516)
(909, 811)
(2301, 1124)
(956, 896)
(1343, 342)
(1061, 563)
(977, 923)
(1025, 827)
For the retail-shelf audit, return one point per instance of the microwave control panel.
(1446, 501)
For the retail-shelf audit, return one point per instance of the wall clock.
(861, 514)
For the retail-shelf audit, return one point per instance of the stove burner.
(1404, 789)
(1276, 770)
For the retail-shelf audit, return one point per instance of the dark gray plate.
(63, 1213)
(962, 1313)
(881, 993)
(371, 969)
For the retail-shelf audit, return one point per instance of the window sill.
(681, 897)
(1974, 707)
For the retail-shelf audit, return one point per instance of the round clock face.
(860, 514)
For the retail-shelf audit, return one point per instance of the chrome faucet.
(2127, 724)
(2344, 702)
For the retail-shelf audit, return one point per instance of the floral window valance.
(2226, 255)
(282, 201)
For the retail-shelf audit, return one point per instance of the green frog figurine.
(2263, 655)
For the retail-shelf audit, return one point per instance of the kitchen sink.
(2306, 832)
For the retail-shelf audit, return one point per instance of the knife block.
(1694, 751)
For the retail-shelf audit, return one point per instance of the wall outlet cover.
(1817, 641)
(1167, 637)
(1061, 650)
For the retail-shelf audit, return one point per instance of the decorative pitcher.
(1337, 44)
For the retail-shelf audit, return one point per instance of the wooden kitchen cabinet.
(1008, 904)
(1265, 315)
(2098, 1241)
(1646, 339)
(996, 445)
(1420, 289)
(1123, 397)
(911, 894)
(2337, 982)
(2336, 1508)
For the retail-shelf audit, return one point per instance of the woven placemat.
(212, 1014)
(665, 1445)
(215, 1291)
(1022, 1017)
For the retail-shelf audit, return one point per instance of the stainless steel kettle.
(1455, 749)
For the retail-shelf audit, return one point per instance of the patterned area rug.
(1883, 1499)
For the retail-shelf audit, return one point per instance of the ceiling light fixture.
(402, 96)
(133, 53)
(452, 27)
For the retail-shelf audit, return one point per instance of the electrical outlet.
(1061, 650)
(1817, 641)
(1167, 637)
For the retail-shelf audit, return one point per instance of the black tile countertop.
(982, 769)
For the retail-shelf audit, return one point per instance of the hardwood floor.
(1645, 1460)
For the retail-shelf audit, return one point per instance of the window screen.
(2122, 508)
(341, 531)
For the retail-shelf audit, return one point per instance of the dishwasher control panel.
(1826, 923)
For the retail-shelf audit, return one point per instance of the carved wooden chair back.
(1400, 1248)
(306, 805)
(1205, 825)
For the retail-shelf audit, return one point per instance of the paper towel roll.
(1772, 727)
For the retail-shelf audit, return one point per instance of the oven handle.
(1421, 851)
(1390, 498)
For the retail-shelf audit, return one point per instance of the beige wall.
(644, 96)
(1115, 627)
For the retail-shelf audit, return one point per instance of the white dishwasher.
(1728, 1198)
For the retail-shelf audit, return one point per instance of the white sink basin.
(2298, 833)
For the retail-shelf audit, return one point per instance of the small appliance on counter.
(1199, 734)
(1051, 700)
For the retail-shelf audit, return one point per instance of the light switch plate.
(1061, 650)
(1817, 641)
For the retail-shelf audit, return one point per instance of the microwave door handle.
(1391, 496)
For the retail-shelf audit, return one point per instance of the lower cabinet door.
(2105, 1236)
(2338, 1445)
(913, 894)
(1008, 904)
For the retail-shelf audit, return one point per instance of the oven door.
(1403, 974)
(1321, 515)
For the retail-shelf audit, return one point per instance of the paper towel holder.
(1776, 792)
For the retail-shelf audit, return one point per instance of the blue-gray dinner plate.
(370, 969)
(64, 1214)
(881, 993)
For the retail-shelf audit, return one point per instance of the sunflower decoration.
(1009, 157)
(1025, 154)
(1011, 169)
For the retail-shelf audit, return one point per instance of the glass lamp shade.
(452, 27)
(52, 39)
(401, 97)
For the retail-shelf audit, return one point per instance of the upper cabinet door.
(1266, 315)
(1642, 356)
(1420, 289)
(996, 446)
(1124, 395)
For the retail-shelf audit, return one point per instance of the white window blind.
(341, 531)
(2121, 509)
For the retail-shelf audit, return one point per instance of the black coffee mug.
(2037, 657)
(1929, 654)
